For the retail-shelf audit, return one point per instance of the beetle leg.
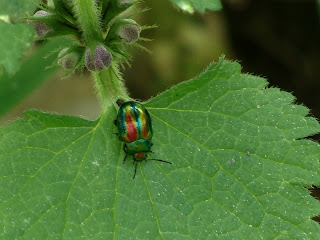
(135, 170)
(125, 158)
(159, 160)
(115, 123)
(125, 148)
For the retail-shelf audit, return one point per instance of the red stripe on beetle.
(131, 127)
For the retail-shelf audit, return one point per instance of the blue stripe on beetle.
(135, 130)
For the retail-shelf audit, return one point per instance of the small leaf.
(240, 165)
(199, 5)
(16, 38)
(34, 71)
(17, 8)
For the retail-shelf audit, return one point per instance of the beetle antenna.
(135, 171)
(159, 160)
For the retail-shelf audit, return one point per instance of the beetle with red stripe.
(135, 130)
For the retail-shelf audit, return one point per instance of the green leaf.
(17, 8)
(198, 5)
(240, 165)
(15, 40)
(34, 71)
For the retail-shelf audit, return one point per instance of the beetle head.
(139, 157)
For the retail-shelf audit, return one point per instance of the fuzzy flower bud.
(129, 33)
(124, 3)
(41, 28)
(99, 60)
(68, 61)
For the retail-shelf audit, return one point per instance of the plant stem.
(110, 87)
(88, 20)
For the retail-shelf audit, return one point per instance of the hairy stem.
(110, 87)
(88, 20)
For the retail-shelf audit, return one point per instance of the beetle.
(135, 130)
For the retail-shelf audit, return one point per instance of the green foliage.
(240, 165)
(16, 9)
(198, 5)
(240, 160)
(32, 73)
(88, 19)
(16, 38)
(15, 82)
(90, 24)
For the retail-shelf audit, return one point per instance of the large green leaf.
(198, 5)
(15, 39)
(240, 165)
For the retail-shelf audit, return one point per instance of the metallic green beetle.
(135, 130)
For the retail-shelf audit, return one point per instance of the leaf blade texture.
(240, 165)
